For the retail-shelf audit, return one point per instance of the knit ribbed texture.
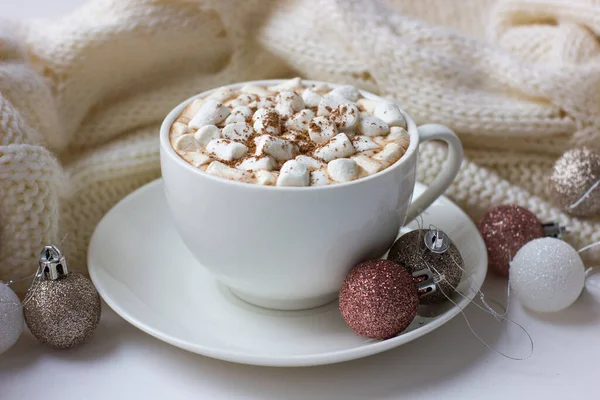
(82, 98)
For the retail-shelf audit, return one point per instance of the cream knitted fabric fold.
(81, 98)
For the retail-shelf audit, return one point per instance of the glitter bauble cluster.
(64, 312)
(378, 299)
(410, 250)
(547, 275)
(573, 175)
(505, 229)
(11, 318)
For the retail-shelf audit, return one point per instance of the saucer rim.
(369, 347)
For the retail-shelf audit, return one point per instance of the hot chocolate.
(290, 134)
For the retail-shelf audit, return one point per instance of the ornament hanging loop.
(53, 264)
(425, 281)
(554, 229)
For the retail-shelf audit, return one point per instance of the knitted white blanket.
(81, 98)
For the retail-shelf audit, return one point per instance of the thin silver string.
(585, 195)
(589, 246)
(480, 294)
(488, 310)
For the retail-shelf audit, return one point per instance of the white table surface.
(121, 362)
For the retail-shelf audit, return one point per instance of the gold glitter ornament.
(574, 184)
(411, 251)
(62, 308)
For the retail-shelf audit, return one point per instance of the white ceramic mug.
(290, 248)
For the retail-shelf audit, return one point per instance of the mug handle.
(449, 170)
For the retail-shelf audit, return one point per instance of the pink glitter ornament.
(505, 229)
(379, 299)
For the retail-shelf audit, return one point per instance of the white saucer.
(145, 273)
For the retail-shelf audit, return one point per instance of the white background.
(120, 362)
(22, 9)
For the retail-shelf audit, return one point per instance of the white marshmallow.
(373, 126)
(338, 147)
(321, 87)
(206, 134)
(192, 109)
(293, 173)
(347, 91)
(367, 105)
(246, 98)
(321, 129)
(219, 169)
(263, 102)
(318, 178)
(390, 153)
(220, 94)
(310, 162)
(367, 164)
(389, 113)
(404, 141)
(185, 142)
(231, 104)
(311, 98)
(211, 113)
(238, 114)
(266, 121)
(265, 177)
(255, 163)
(226, 150)
(342, 170)
(277, 148)
(290, 136)
(381, 140)
(345, 116)
(364, 143)
(288, 103)
(238, 131)
(300, 121)
(400, 136)
(257, 90)
(294, 83)
(293, 137)
(179, 129)
(197, 159)
(329, 102)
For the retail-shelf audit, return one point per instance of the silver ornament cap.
(426, 282)
(53, 264)
(433, 251)
(436, 241)
(62, 308)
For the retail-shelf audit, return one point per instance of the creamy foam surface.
(290, 134)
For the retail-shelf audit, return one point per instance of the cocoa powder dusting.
(313, 126)
(303, 143)
(271, 119)
(335, 116)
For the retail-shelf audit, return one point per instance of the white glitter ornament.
(547, 275)
(11, 318)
